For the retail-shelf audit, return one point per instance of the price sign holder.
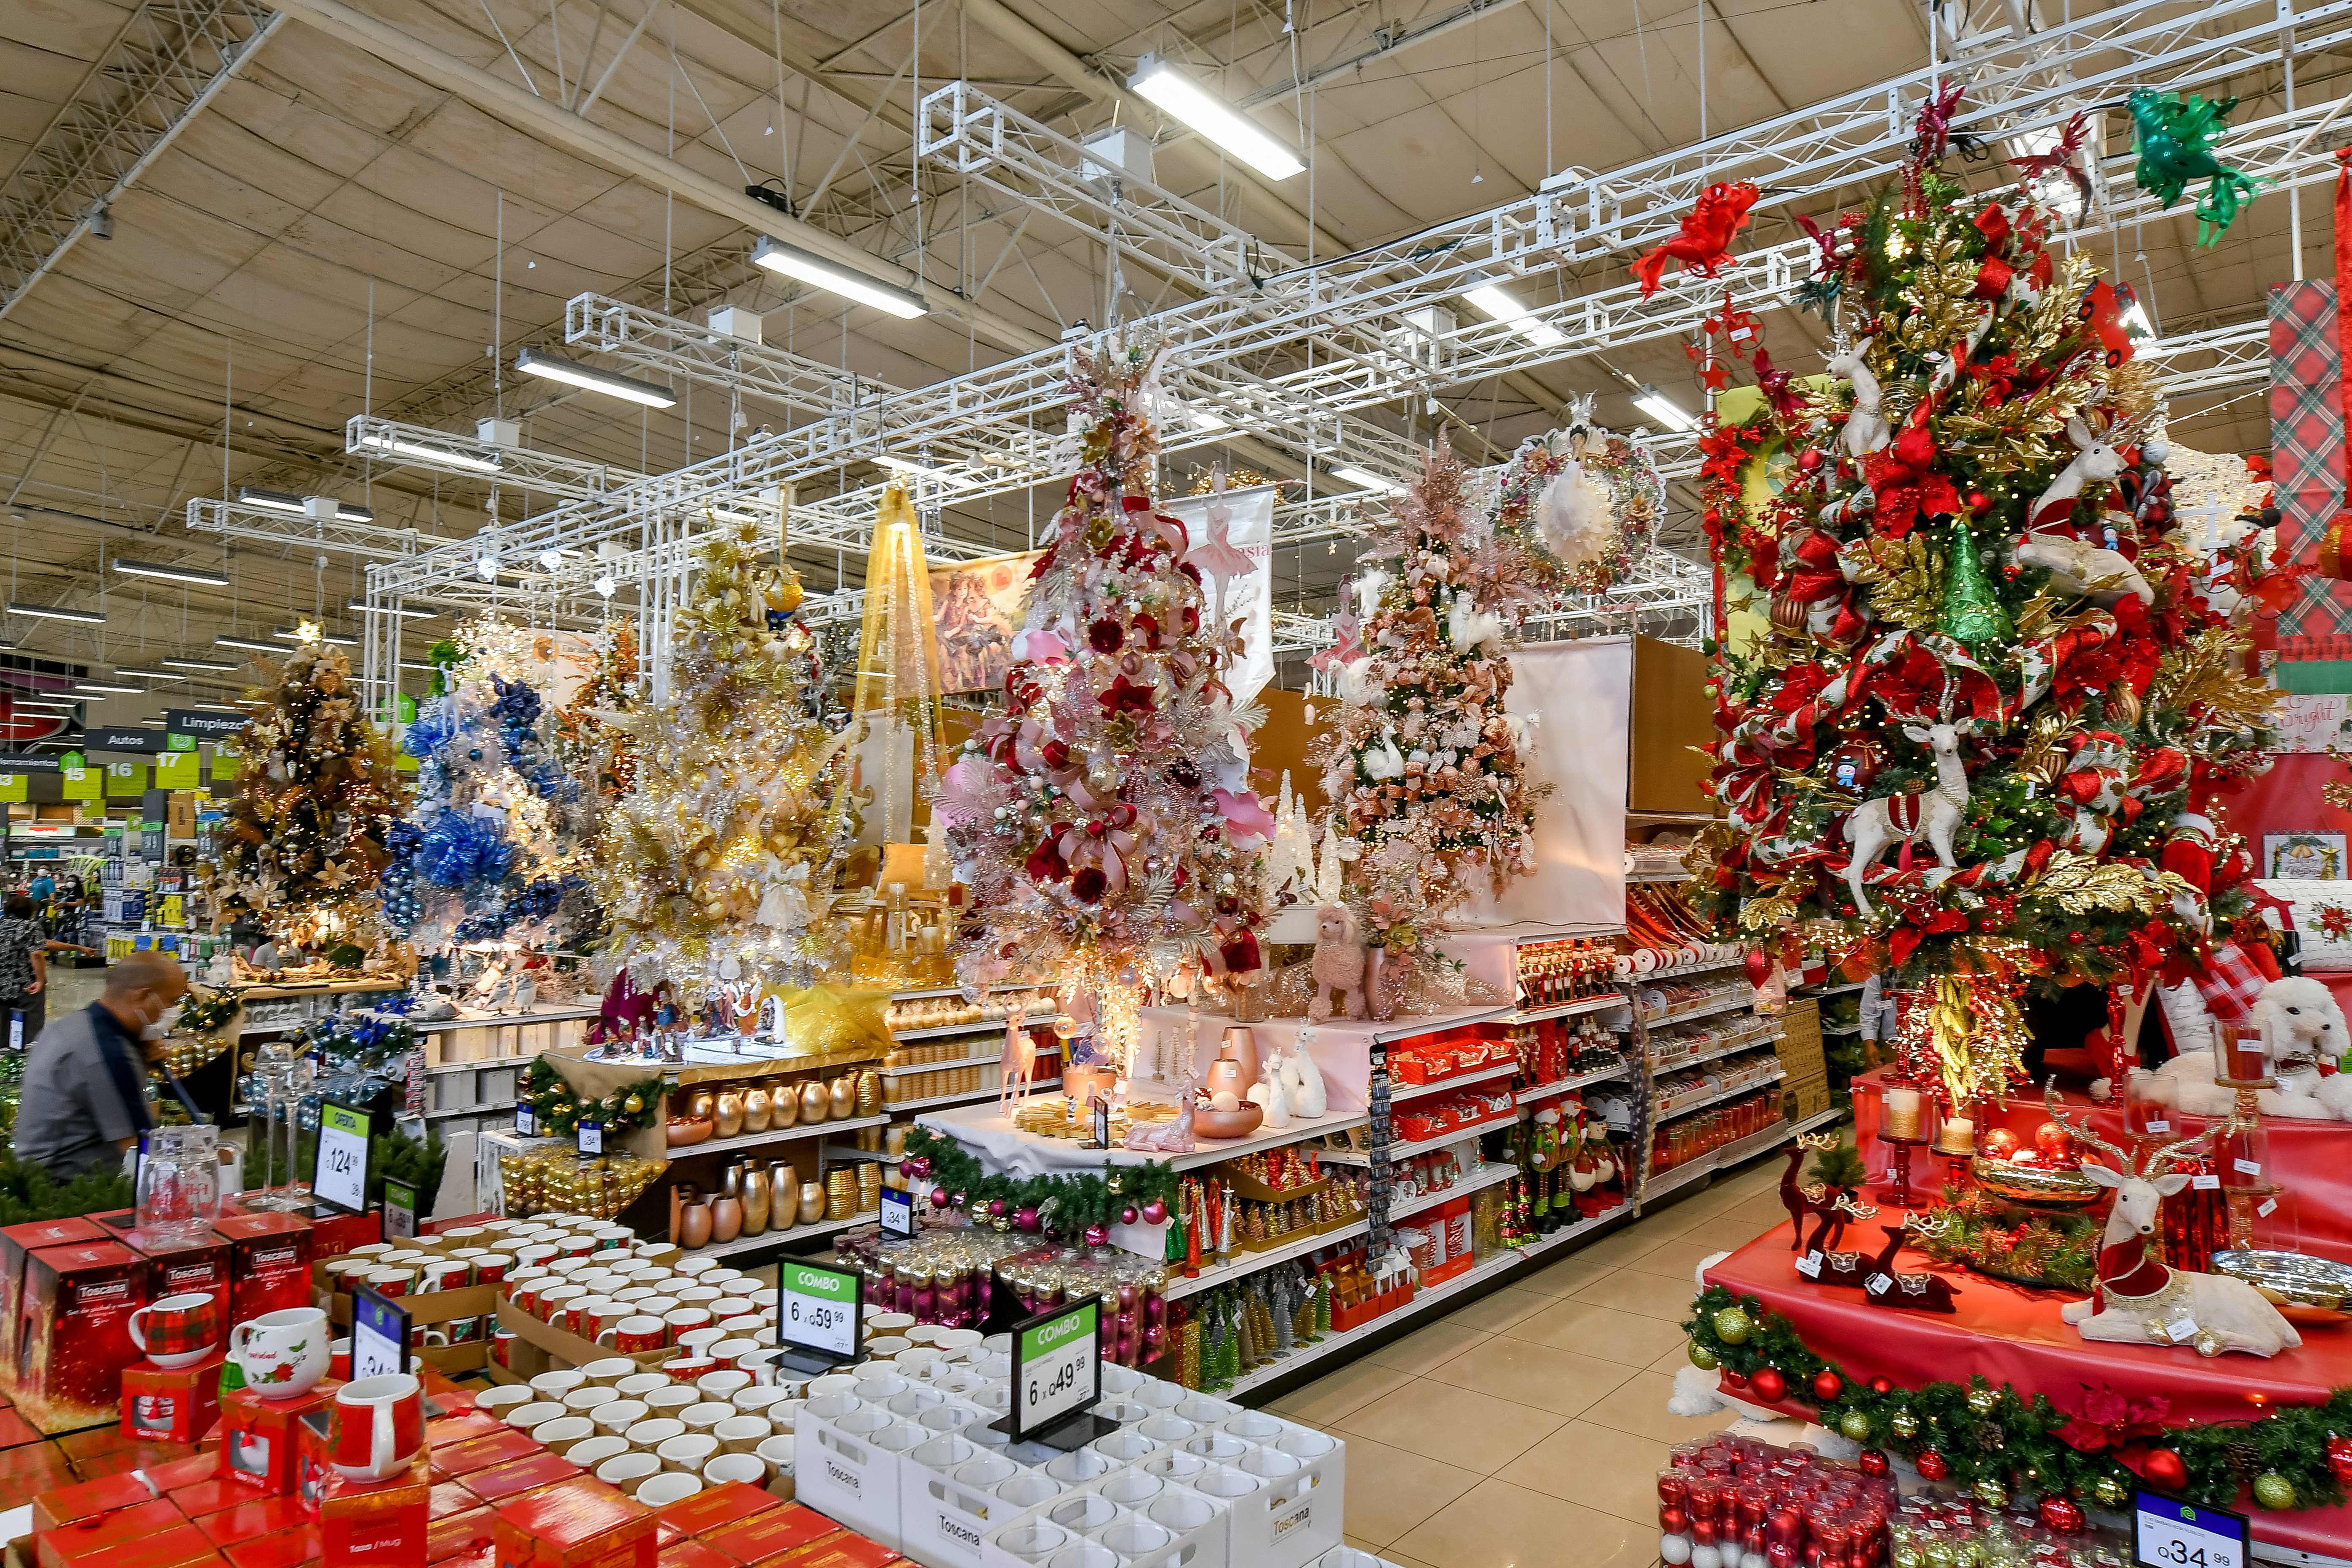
(399, 1208)
(526, 1120)
(2169, 1533)
(898, 1213)
(338, 1168)
(592, 1137)
(820, 1317)
(379, 1334)
(1058, 1379)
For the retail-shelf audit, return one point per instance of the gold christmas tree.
(720, 863)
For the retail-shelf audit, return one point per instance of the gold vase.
(730, 1111)
(703, 1106)
(870, 1093)
(757, 1109)
(783, 1197)
(843, 1097)
(811, 1203)
(784, 1107)
(758, 1199)
(816, 1101)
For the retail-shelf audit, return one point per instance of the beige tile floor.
(1524, 1430)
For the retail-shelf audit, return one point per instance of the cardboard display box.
(72, 1334)
(172, 1406)
(473, 1306)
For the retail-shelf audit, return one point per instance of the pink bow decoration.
(1249, 825)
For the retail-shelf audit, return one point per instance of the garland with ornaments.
(1081, 1204)
(556, 1106)
(1998, 1443)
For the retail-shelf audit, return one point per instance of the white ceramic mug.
(283, 1354)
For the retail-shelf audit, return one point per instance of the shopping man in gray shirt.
(81, 1103)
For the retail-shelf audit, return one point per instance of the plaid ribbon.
(2230, 983)
(2311, 327)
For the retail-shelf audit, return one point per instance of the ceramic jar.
(702, 1105)
(816, 1101)
(757, 1109)
(783, 1197)
(730, 1111)
(694, 1219)
(757, 1199)
(812, 1201)
(727, 1208)
(843, 1097)
(783, 1106)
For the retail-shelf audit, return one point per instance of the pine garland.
(1974, 1229)
(1997, 1436)
(1067, 1204)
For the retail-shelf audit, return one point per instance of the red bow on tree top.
(1704, 245)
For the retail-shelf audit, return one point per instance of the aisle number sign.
(817, 1309)
(2169, 1533)
(1056, 1367)
(338, 1177)
(78, 784)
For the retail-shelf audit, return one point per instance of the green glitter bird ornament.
(2176, 136)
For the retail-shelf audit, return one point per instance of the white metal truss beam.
(670, 346)
(168, 62)
(260, 526)
(391, 444)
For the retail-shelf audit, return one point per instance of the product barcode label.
(1882, 1282)
(2159, 1125)
(2181, 1330)
(2205, 1182)
(1809, 1266)
(2251, 1167)
(2268, 1207)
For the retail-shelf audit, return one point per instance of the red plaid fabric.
(2307, 447)
(2230, 983)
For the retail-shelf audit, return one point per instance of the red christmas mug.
(502, 1346)
(178, 1331)
(379, 1422)
(635, 1335)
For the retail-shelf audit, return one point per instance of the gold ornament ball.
(2108, 1492)
(1992, 1493)
(1903, 1424)
(1732, 1326)
(1702, 1358)
(1982, 1401)
(2208, 1344)
(634, 1105)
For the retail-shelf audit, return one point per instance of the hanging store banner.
(1576, 701)
(1232, 543)
(977, 605)
(202, 725)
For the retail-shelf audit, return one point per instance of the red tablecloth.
(2307, 1158)
(2012, 1334)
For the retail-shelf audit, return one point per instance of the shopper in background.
(24, 972)
(83, 1099)
(44, 887)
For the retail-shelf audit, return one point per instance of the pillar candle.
(1899, 1113)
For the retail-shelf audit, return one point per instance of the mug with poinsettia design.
(283, 1354)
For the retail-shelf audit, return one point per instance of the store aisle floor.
(1526, 1429)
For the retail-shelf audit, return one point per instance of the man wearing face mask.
(82, 1103)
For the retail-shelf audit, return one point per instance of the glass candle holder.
(2240, 1057)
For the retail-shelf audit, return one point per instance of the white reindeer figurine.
(2102, 576)
(1899, 819)
(1866, 430)
(2095, 457)
(2140, 1300)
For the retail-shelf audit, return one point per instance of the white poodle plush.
(2300, 1019)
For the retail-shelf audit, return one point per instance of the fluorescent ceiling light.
(290, 634)
(149, 674)
(215, 707)
(1214, 118)
(1662, 408)
(469, 461)
(110, 689)
(837, 279)
(56, 613)
(196, 574)
(593, 380)
(362, 608)
(199, 664)
(279, 500)
(410, 664)
(1366, 478)
(247, 644)
(1496, 303)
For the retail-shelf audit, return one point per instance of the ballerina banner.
(1229, 538)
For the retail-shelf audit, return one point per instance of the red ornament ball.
(1827, 1386)
(1980, 503)
(1128, 1214)
(1808, 462)
(1154, 1212)
(1882, 1385)
(2062, 1515)
(2077, 938)
(2339, 1456)
(1098, 1235)
(1769, 1385)
(1759, 967)
(1873, 1462)
(2164, 1470)
(1932, 1464)
(2053, 1140)
(1734, 1379)
(2000, 1143)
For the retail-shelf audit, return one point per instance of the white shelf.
(1251, 1262)
(1704, 966)
(958, 990)
(1734, 1154)
(1415, 1090)
(1504, 1262)
(1706, 1010)
(1609, 1003)
(1487, 1177)
(485, 1064)
(936, 1030)
(1562, 1085)
(1836, 990)
(1715, 1056)
(1660, 1113)
(486, 1021)
(961, 1097)
(774, 1135)
(504, 1108)
(1657, 875)
(1299, 1130)
(992, 1059)
(1427, 1146)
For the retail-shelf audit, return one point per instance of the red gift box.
(846, 1549)
(448, 1431)
(252, 1518)
(382, 1524)
(772, 1532)
(67, 1504)
(451, 1497)
(182, 1547)
(693, 1554)
(584, 1524)
(287, 1549)
(174, 1268)
(311, 1471)
(210, 1495)
(177, 1405)
(331, 1236)
(712, 1509)
(461, 1460)
(18, 1242)
(259, 1438)
(270, 1262)
(90, 1535)
(516, 1476)
(461, 1534)
(73, 1333)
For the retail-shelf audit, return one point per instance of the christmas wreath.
(1996, 1441)
(1065, 1206)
